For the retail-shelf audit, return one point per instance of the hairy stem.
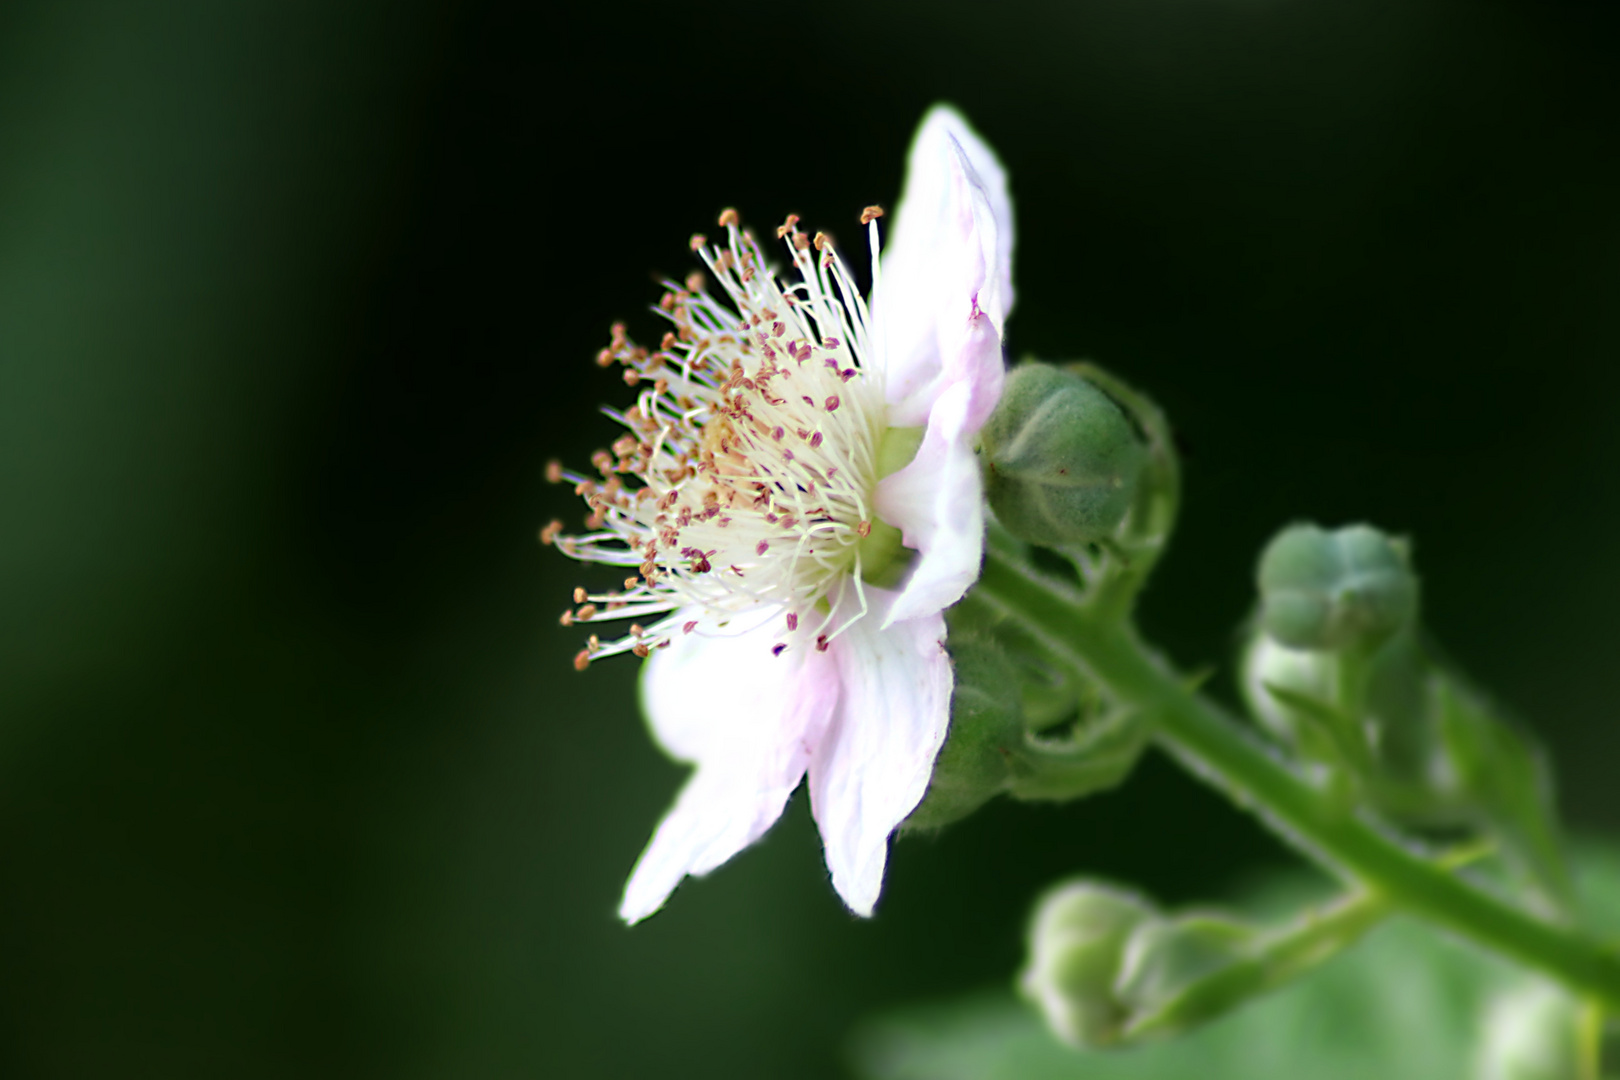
(1219, 750)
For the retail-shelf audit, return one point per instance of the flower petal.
(948, 259)
(937, 503)
(748, 720)
(872, 767)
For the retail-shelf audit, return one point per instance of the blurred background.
(296, 299)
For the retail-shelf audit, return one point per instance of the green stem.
(1217, 749)
(1288, 952)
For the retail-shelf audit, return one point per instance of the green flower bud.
(1076, 944)
(1332, 591)
(1168, 964)
(1531, 1034)
(1062, 458)
(987, 728)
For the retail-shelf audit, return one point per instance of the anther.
(821, 643)
(689, 627)
(871, 214)
(697, 241)
(776, 650)
(631, 376)
(787, 226)
(586, 613)
(815, 440)
(832, 402)
(793, 620)
(631, 582)
(864, 529)
(641, 650)
(695, 281)
(579, 594)
(822, 241)
(728, 218)
(761, 547)
(554, 471)
(566, 619)
(604, 358)
(548, 534)
(582, 660)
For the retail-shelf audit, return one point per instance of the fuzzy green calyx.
(1061, 458)
(1330, 591)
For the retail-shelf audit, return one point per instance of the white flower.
(803, 503)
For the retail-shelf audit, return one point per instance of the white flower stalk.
(798, 498)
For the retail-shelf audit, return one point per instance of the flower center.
(743, 481)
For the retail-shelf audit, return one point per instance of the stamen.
(706, 495)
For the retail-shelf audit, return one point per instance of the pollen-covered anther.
(549, 531)
(742, 478)
(871, 214)
(788, 226)
(697, 242)
(579, 594)
(729, 218)
(582, 660)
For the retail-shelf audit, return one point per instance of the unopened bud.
(1076, 945)
(1335, 590)
(1168, 967)
(1062, 458)
(987, 728)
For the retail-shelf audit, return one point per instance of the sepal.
(1061, 458)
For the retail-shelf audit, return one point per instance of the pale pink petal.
(749, 721)
(937, 504)
(947, 262)
(872, 766)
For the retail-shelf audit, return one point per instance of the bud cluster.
(1338, 668)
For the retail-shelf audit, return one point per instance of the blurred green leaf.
(1405, 1003)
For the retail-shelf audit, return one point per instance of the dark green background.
(297, 298)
